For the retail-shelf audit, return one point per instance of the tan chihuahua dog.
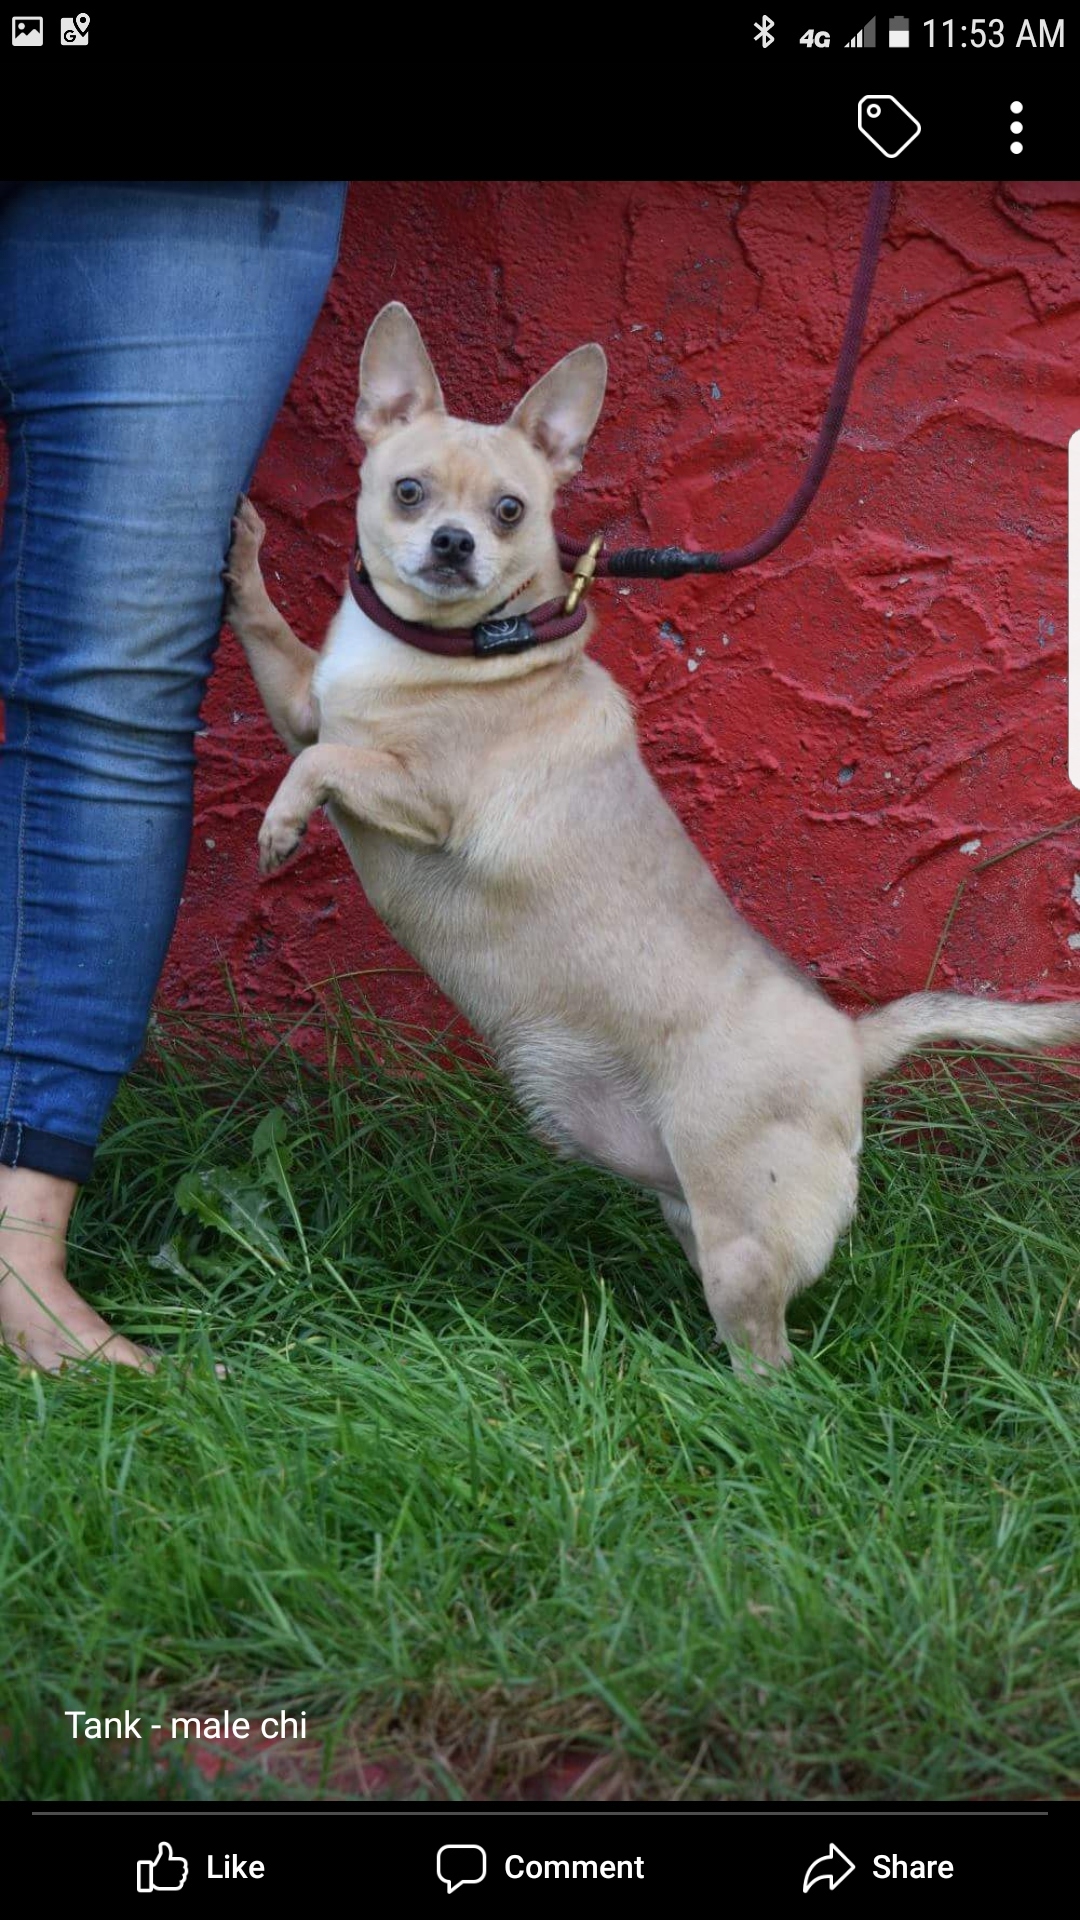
(502, 822)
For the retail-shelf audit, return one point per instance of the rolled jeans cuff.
(22, 1146)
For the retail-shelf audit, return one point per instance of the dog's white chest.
(358, 662)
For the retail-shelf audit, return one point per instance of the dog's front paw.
(241, 569)
(279, 836)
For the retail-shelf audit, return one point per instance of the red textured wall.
(847, 729)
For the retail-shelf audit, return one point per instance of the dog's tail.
(887, 1034)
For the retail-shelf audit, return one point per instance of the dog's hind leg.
(759, 1224)
(747, 1294)
(742, 1294)
(280, 663)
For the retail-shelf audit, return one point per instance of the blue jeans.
(148, 333)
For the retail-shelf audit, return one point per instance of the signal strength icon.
(866, 36)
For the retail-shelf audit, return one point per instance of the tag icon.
(886, 124)
(75, 32)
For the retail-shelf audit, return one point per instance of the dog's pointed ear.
(560, 412)
(397, 379)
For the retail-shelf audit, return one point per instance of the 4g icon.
(813, 37)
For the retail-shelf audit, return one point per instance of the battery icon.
(899, 35)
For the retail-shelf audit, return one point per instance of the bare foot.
(42, 1318)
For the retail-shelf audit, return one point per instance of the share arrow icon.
(822, 1869)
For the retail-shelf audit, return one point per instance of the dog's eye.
(509, 511)
(409, 492)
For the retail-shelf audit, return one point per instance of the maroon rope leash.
(666, 563)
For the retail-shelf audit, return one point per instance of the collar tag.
(509, 633)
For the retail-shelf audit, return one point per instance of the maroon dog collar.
(500, 632)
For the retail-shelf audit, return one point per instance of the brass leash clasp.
(584, 572)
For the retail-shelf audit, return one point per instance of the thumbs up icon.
(165, 1874)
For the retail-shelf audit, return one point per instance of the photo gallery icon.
(27, 30)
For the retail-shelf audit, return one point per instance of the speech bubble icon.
(466, 1867)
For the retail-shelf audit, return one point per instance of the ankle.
(35, 1209)
(36, 1199)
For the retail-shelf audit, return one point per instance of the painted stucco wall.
(847, 729)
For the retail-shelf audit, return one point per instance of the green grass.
(479, 1489)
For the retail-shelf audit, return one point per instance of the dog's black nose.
(452, 546)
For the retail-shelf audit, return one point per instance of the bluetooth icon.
(761, 30)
